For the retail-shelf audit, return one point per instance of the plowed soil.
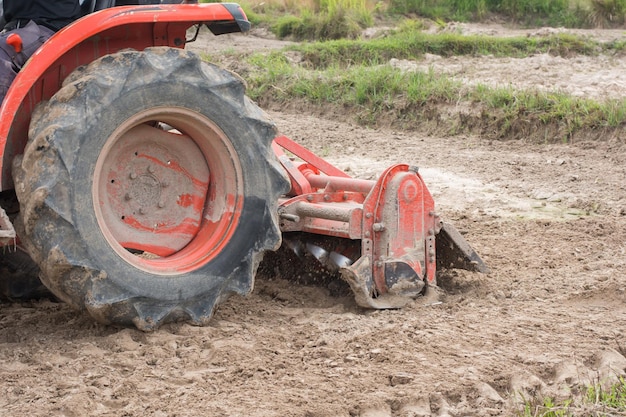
(549, 319)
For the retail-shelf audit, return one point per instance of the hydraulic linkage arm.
(393, 220)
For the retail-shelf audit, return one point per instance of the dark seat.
(90, 6)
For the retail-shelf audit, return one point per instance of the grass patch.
(380, 87)
(314, 19)
(597, 401)
(613, 398)
(568, 13)
(382, 94)
(309, 25)
(413, 44)
(606, 13)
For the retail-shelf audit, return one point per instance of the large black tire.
(137, 222)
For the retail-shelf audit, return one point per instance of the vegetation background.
(338, 67)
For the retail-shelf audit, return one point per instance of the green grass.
(525, 11)
(309, 25)
(383, 94)
(414, 44)
(613, 398)
(334, 19)
(318, 19)
(359, 86)
(353, 76)
(597, 402)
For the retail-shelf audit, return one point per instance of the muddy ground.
(549, 319)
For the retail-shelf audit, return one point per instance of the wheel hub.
(155, 192)
(144, 193)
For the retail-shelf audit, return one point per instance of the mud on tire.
(148, 188)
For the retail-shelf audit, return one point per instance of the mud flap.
(453, 251)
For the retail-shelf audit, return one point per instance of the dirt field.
(550, 318)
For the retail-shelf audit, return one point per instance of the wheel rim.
(167, 190)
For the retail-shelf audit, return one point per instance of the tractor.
(141, 185)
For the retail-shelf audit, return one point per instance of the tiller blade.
(391, 221)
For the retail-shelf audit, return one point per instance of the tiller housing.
(390, 225)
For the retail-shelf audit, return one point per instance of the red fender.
(95, 35)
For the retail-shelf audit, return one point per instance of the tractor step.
(7, 232)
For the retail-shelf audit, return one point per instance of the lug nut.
(378, 227)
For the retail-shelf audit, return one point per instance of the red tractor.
(146, 187)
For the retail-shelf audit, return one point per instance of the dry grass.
(607, 13)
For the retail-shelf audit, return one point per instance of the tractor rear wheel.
(148, 188)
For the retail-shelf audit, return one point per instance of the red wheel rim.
(167, 190)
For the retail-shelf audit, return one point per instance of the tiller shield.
(389, 254)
